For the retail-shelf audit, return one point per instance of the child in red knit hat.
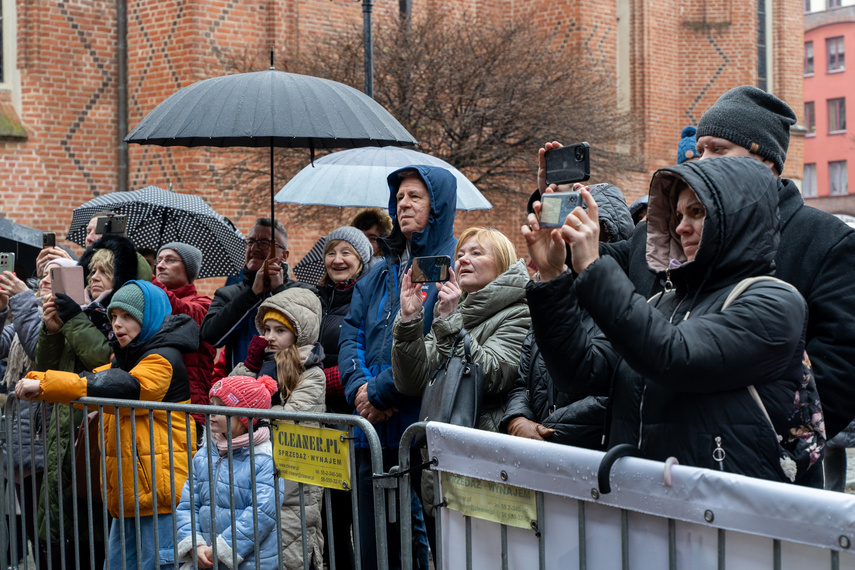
(231, 433)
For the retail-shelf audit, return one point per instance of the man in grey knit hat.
(815, 253)
(178, 265)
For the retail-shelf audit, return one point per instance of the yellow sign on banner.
(317, 456)
(496, 502)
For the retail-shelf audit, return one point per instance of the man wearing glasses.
(230, 320)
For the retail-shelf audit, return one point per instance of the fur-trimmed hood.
(127, 265)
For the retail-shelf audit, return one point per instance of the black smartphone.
(568, 164)
(430, 269)
(114, 224)
(48, 240)
(7, 262)
(556, 206)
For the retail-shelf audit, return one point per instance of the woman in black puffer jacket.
(683, 366)
(535, 407)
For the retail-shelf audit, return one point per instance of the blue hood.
(442, 189)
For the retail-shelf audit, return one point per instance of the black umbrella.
(23, 241)
(270, 109)
(157, 216)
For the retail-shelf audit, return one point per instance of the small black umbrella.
(270, 109)
(23, 241)
(157, 216)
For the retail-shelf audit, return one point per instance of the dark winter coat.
(335, 300)
(578, 418)
(200, 363)
(815, 254)
(680, 364)
(230, 321)
(365, 346)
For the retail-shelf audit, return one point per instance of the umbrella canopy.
(157, 216)
(270, 109)
(23, 241)
(357, 177)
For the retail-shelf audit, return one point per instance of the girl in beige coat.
(290, 322)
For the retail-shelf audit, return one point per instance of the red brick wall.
(682, 58)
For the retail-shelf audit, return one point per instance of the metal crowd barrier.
(509, 502)
(16, 553)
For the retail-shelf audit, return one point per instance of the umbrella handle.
(266, 277)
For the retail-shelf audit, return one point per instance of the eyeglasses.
(168, 260)
(262, 244)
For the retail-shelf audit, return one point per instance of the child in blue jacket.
(233, 543)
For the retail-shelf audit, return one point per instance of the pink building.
(829, 150)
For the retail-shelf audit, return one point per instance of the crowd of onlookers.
(703, 322)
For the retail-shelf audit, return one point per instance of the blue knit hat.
(146, 303)
(687, 149)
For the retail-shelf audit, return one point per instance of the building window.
(810, 118)
(809, 181)
(762, 79)
(807, 5)
(837, 115)
(837, 178)
(832, 3)
(834, 48)
(808, 58)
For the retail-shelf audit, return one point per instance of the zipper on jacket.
(142, 468)
(641, 415)
(669, 286)
(718, 453)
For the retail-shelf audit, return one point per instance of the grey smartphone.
(430, 269)
(556, 206)
(68, 281)
(115, 224)
(568, 164)
(7, 262)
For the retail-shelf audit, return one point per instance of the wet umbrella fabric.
(270, 109)
(25, 242)
(157, 216)
(357, 177)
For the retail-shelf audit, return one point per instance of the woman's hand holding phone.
(449, 295)
(581, 230)
(545, 246)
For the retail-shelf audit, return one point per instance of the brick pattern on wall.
(682, 58)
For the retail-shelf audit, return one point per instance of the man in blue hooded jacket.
(422, 205)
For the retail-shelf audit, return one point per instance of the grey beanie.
(753, 119)
(191, 256)
(356, 239)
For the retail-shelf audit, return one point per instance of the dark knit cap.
(687, 149)
(753, 119)
(191, 256)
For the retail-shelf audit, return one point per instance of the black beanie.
(753, 119)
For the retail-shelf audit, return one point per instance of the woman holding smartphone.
(485, 294)
(720, 388)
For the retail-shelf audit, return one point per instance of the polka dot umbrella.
(157, 216)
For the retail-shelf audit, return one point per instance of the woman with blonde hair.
(485, 295)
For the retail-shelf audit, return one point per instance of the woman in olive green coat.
(486, 296)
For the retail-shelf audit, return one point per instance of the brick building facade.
(667, 63)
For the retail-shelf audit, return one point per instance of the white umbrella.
(357, 177)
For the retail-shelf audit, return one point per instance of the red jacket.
(200, 364)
